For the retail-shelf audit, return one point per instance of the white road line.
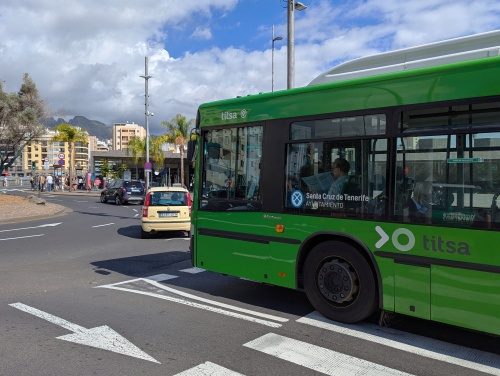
(193, 270)
(161, 277)
(194, 297)
(106, 224)
(135, 216)
(208, 368)
(216, 303)
(22, 237)
(202, 306)
(28, 228)
(196, 305)
(318, 358)
(415, 344)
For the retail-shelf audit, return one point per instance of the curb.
(56, 213)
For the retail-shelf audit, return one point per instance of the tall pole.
(147, 77)
(292, 6)
(291, 45)
(272, 59)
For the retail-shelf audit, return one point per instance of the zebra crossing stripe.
(318, 358)
(430, 348)
(208, 368)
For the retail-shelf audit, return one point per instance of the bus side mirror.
(191, 147)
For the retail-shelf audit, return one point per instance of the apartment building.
(123, 132)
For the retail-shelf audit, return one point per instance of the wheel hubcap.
(337, 281)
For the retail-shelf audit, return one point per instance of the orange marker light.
(281, 274)
(280, 228)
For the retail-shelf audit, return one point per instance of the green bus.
(372, 190)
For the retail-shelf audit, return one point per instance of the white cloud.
(87, 59)
(202, 33)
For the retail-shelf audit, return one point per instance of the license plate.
(167, 214)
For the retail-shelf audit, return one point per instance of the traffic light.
(33, 165)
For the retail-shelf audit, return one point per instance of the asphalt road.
(82, 294)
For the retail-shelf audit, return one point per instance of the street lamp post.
(292, 6)
(146, 78)
(272, 59)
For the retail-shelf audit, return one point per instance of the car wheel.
(339, 282)
(103, 198)
(145, 235)
(117, 200)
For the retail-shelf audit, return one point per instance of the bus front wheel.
(339, 282)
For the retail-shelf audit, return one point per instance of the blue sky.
(86, 57)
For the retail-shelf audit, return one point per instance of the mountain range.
(93, 127)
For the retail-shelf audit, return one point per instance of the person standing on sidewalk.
(42, 182)
(50, 182)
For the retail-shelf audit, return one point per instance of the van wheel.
(117, 200)
(339, 282)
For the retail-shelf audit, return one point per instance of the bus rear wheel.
(339, 282)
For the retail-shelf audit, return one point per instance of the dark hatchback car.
(123, 191)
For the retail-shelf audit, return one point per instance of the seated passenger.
(340, 169)
(419, 205)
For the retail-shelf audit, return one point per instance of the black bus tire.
(339, 282)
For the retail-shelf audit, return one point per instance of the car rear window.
(134, 185)
(171, 198)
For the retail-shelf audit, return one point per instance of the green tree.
(156, 153)
(136, 146)
(19, 120)
(69, 134)
(121, 170)
(178, 134)
(105, 168)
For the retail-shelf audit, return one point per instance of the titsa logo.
(409, 237)
(404, 241)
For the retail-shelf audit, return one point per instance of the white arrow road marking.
(383, 237)
(101, 337)
(208, 368)
(27, 228)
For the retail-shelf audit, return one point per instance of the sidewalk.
(77, 192)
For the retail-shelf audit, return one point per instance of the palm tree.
(69, 134)
(156, 151)
(136, 146)
(178, 134)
